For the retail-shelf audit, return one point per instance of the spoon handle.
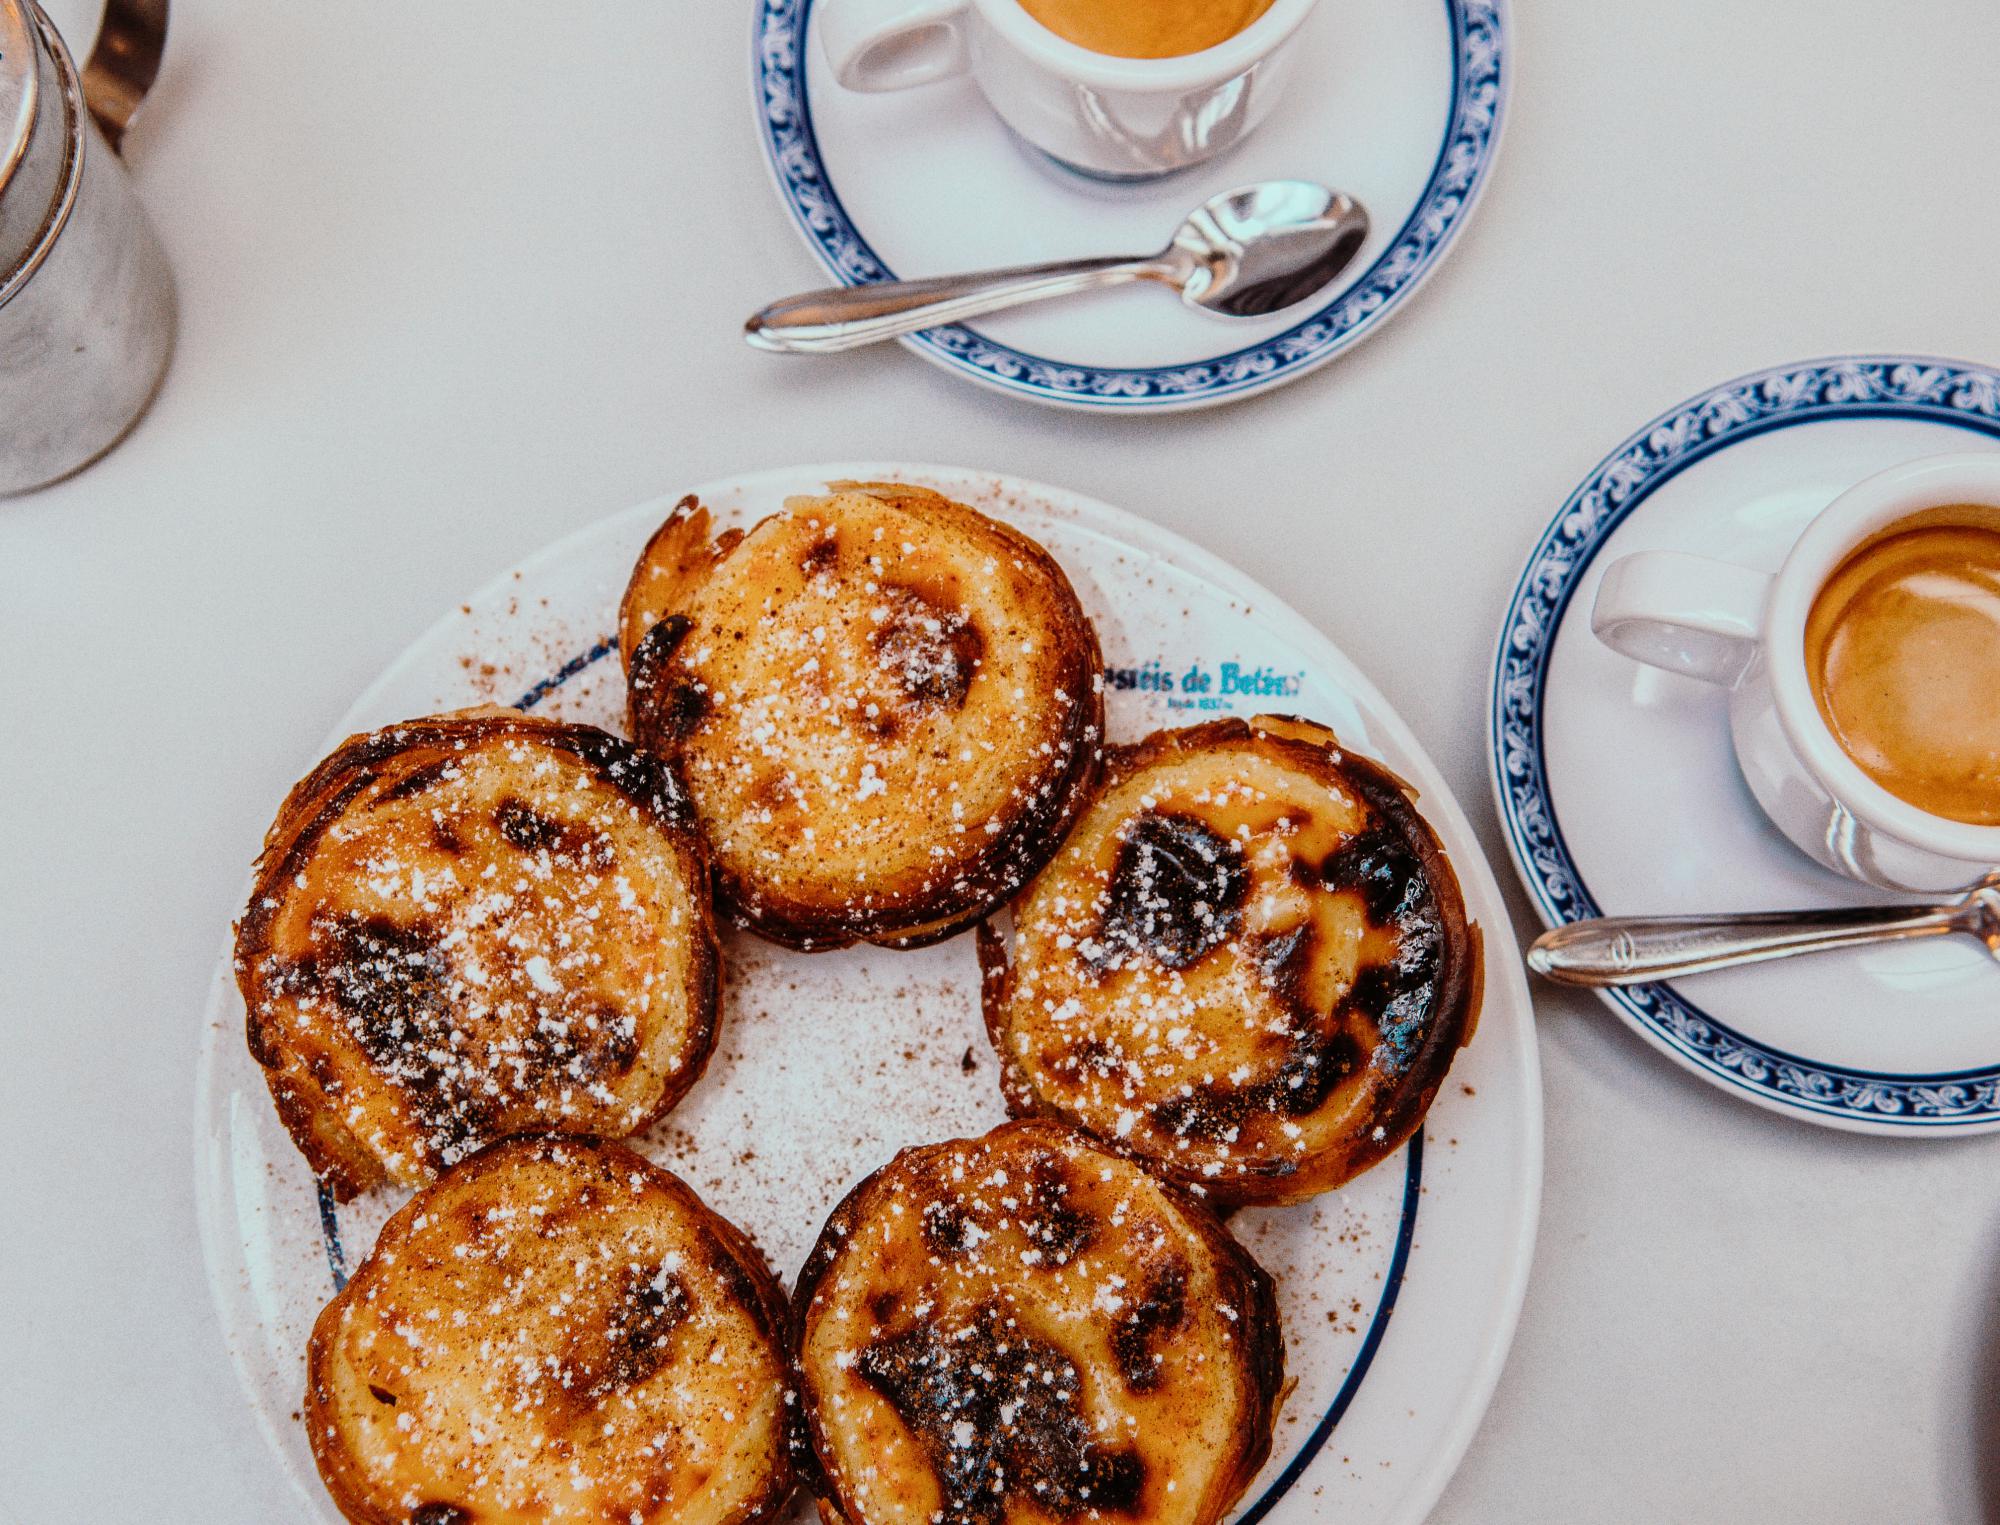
(846, 317)
(1633, 950)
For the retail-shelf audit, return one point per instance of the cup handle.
(123, 63)
(1686, 614)
(877, 45)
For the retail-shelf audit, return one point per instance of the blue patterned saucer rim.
(1951, 392)
(1480, 75)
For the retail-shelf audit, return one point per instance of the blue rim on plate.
(1378, 1323)
(1863, 386)
(1465, 157)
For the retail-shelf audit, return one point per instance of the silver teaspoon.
(1244, 254)
(1634, 950)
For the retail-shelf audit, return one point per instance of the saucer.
(1396, 102)
(1398, 1292)
(1619, 792)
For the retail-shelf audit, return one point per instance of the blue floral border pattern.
(1472, 135)
(1939, 391)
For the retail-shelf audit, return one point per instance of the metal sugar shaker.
(86, 297)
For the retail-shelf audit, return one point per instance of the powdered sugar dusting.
(829, 1064)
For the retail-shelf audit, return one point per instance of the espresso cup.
(1109, 117)
(1746, 631)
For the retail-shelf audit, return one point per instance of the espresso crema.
(1146, 28)
(1903, 654)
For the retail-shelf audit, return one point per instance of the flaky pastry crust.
(887, 708)
(556, 1330)
(473, 925)
(1029, 1328)
(1249, 965)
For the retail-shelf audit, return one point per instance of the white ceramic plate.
(1397, 102)
(1620, 793)
(831, 1062)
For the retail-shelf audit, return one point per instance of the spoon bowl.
(1258, 250)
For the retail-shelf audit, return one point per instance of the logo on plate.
(1203, 685)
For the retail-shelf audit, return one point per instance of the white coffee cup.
(1746, 631)
(1114, 118)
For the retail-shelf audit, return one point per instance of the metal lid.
(19, 66)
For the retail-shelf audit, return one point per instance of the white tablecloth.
(459, 276)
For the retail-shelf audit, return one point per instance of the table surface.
(445, 299)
